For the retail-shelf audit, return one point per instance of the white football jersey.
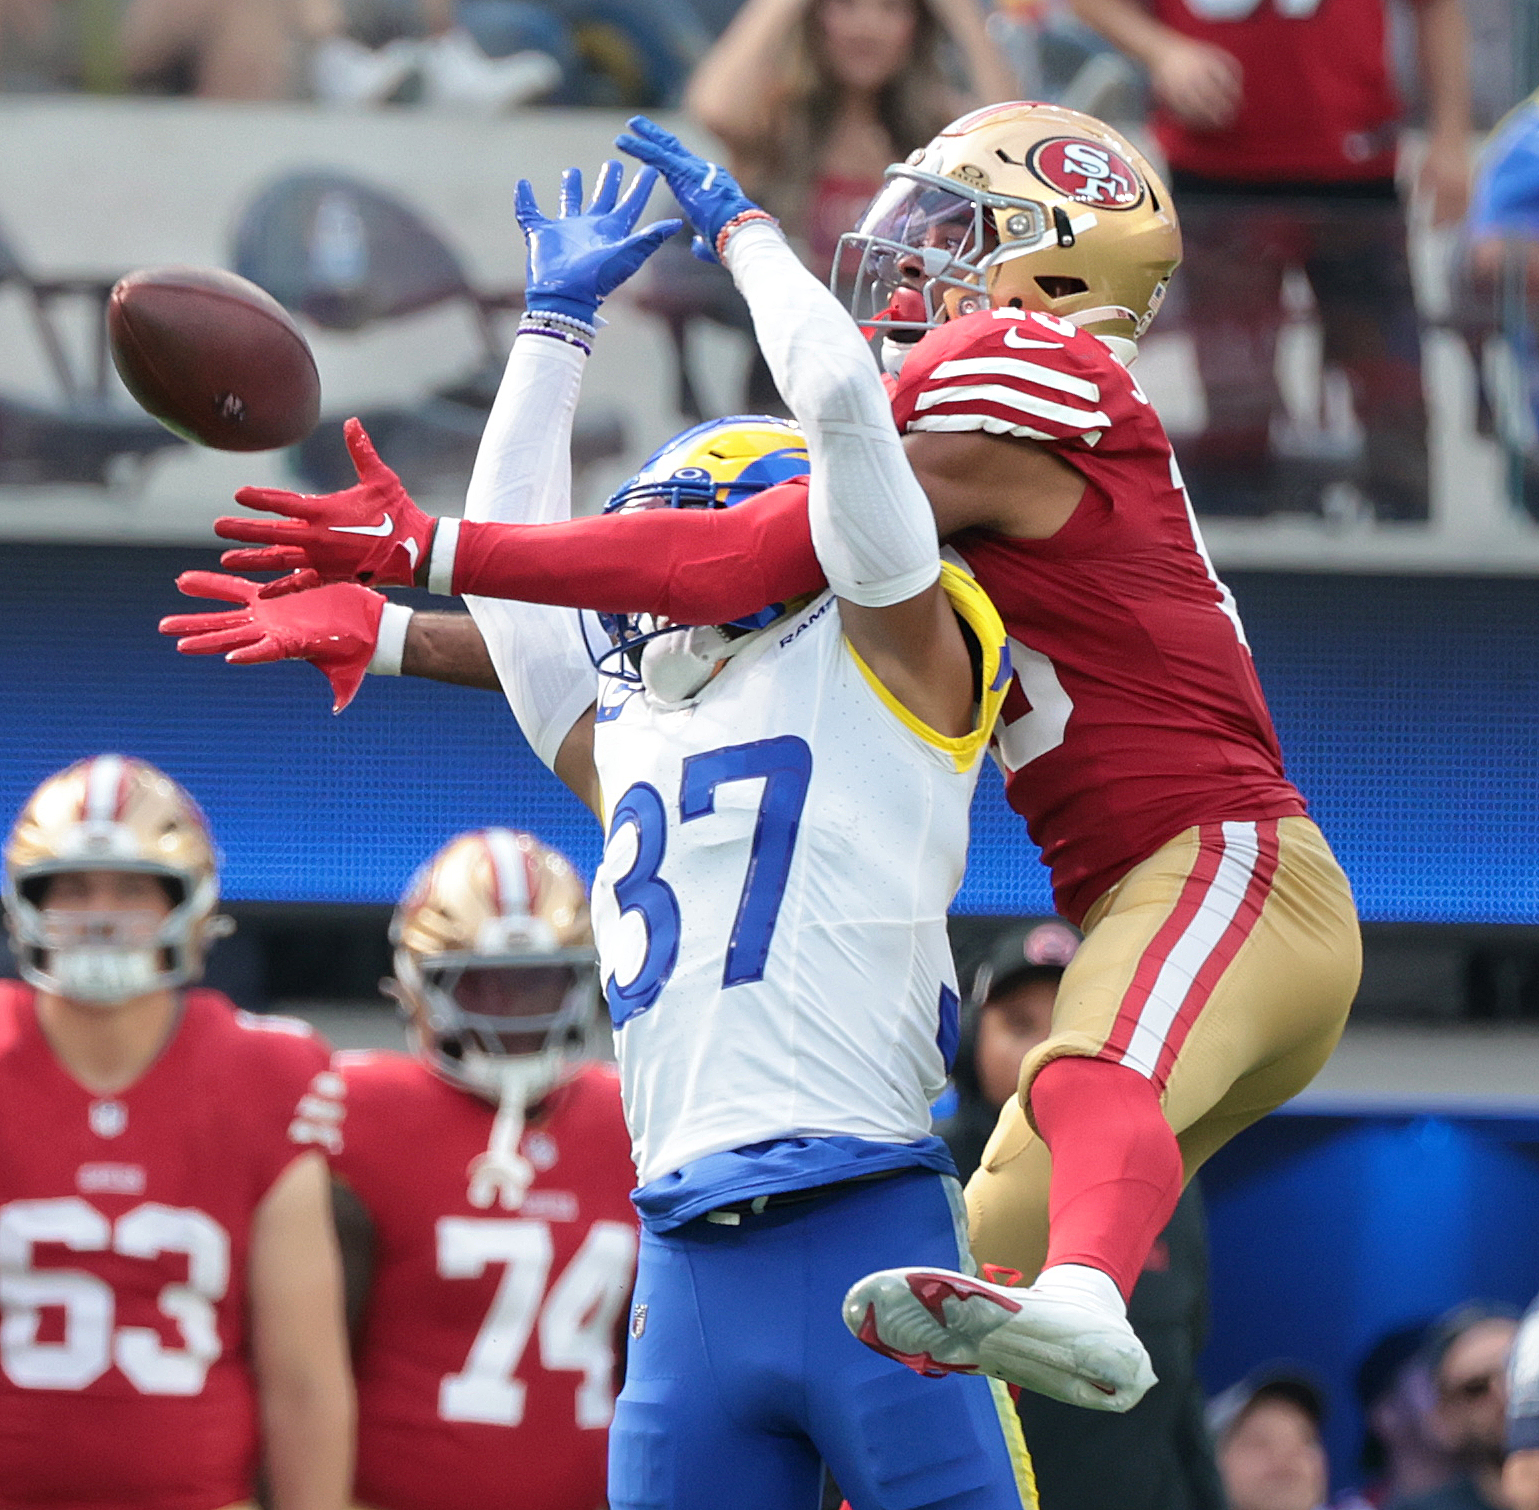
(770, 911)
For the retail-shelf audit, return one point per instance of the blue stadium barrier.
(1407, 709)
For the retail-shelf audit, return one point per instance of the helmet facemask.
(103, 958)
(923, 250)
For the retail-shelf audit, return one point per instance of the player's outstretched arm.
(871, 524)
(299, 1342)
(523, 471)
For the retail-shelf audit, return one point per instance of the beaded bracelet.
(559, 327)
(736, 223)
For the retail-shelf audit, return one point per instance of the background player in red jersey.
(483, 1190)
(1033, 244)
(170, 1301)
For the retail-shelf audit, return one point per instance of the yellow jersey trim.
(1015, 1444)
(977, 611)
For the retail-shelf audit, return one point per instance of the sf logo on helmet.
(1087, 172)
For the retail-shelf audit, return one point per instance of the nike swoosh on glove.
(334, 627)
(371, 533)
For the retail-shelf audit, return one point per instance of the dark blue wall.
(1407, 709)
(1352, 1226)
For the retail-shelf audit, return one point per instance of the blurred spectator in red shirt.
(1280, 121)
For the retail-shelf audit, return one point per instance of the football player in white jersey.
(786, 803)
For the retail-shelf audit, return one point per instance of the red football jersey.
(486, 1362)
(125, 1234)
(1136, 711)
(1317, 100)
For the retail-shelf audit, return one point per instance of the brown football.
(213, 357)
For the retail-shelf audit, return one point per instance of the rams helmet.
(714, 465)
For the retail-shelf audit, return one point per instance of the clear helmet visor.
(921, 237)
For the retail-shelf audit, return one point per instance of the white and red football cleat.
(1057, 1340)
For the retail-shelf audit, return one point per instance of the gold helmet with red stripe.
(495, 965)
(1027, 205)
(111, 813)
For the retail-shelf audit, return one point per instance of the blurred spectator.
(454, 70)
(1520, 1473)
(1403, 1453)
(1156, 1457)
(1501, 282)
(815, 98)
(1280, 123)
(1266, 1434)
(1468, 1351)
(217, 49)
(609, 52)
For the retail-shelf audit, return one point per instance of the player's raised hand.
(580, 257)
(334, 627)
(710, 195)
(371, 533)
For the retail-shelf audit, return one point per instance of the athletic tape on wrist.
(390, 645)
(446, 541)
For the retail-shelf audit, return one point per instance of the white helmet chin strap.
(502, 1175)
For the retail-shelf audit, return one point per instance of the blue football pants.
(743, 1377)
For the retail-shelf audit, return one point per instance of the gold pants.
(1222, 968)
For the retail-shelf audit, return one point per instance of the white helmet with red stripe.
(111, 813)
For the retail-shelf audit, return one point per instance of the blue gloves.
(709, 195)
(578, 259)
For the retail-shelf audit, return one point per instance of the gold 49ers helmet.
(1025, 205)
(111, 813)
(496, 972)
(495, 965)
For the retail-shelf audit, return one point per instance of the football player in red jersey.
(483, 1189)
(1022, 253)
(170, 1298)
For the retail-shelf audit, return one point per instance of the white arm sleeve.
(523, 475)
(872, 526)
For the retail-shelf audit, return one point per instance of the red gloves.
(335, 628)
(371, 533)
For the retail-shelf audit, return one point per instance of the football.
(213, 357)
